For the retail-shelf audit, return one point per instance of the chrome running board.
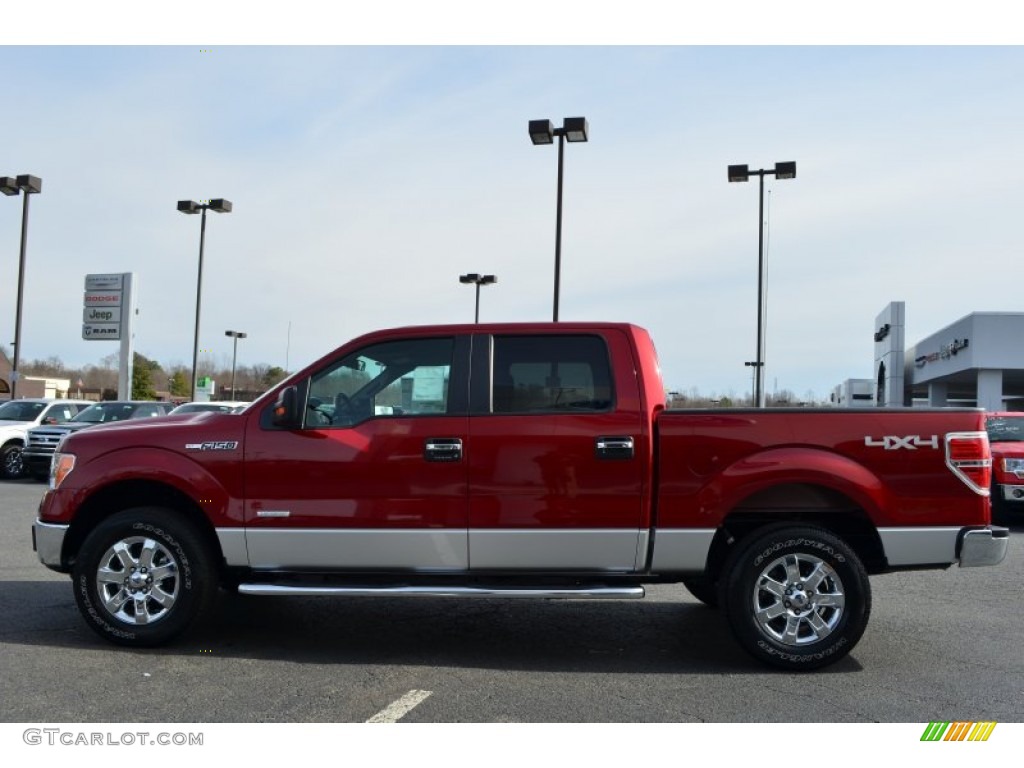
(561, 593)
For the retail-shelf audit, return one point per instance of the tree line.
(151, 380)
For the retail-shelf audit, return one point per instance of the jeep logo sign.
(98, 315)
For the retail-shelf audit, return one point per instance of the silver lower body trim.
(426, 550)
(613, 593)
(680, 550)
(584, 549)
(232, 544)
(48, 540)
(920, 546)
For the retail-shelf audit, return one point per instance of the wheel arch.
(796, 504)
(127, 494)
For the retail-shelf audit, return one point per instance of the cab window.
(550, 374)
(392, 379)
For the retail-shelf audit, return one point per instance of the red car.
(1006, 436)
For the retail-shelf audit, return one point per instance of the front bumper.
(36, 462)
(983, 546)
(1008, 492)
(48, 542)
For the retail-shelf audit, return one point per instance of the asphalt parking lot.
(941, 645)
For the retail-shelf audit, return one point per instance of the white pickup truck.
(18, 416)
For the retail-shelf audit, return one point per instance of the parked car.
(18, 416)
(1006, 435)
(219, 406)
(42, 441)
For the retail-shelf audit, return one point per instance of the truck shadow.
(678, 636)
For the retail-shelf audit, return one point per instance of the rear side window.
(551, 374)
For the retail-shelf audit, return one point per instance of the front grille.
(46, 441)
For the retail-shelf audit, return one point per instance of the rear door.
(557, 453)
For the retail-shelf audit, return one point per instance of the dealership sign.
(945, 352)
(106, 304)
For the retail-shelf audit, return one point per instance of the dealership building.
(976, 361)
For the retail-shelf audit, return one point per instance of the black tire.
(158, 555)
(11, 465)
(796, 597)
(703, 589)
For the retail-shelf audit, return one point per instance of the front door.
(376, 477)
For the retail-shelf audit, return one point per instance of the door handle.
(442, 449)
(614, 448)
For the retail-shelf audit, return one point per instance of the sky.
(365, 178)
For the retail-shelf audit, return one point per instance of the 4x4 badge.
(895, 442)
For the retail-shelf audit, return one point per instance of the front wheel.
(797, 597)
(143, 576)
(11, 465)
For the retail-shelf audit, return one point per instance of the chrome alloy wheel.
(798, 599)
(137, 580)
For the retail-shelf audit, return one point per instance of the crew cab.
(516, 461)
(1006, 436)
(18, 416)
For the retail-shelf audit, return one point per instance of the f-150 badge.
(895, 442)
(219, 445)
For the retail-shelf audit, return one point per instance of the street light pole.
(236, 335)
(574, 129)
(188, 206)
(28, 185)
(478, 280)
(742, 173)
(753, 376)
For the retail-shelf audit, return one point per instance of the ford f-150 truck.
(1006, 436)
(17, 417)
(516, 461)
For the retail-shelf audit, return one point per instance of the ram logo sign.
(896, 443)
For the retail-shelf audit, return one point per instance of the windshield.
(104, 412)
(16, 410)
(1002, 429)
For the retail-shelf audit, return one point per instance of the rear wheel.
(796, 597)
(143, 576)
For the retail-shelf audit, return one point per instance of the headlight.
(60, 467)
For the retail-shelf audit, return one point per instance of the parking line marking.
(399, 708)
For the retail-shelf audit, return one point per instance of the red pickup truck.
(1006, 436)
(516, 461)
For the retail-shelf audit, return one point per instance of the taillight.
(968, 455)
